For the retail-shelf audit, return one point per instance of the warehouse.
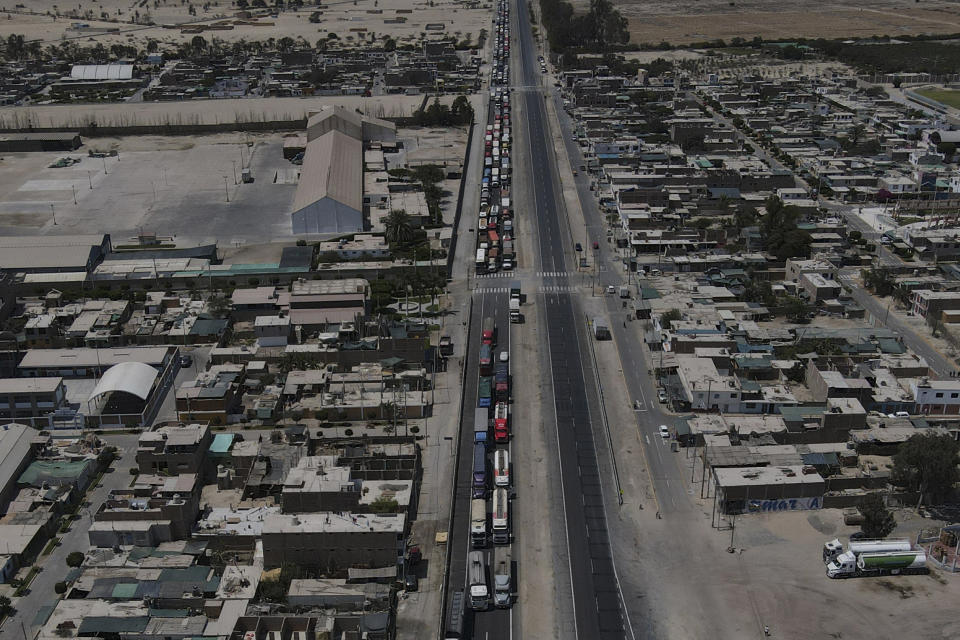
(52, 141)
(50, 254)
(330, 194)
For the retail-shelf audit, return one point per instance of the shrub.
(60, 588)
(75, 559)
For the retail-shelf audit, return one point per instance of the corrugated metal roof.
(101, 71)
(332, 168)
(94, 625)
(135, 378)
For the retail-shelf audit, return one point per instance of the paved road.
(55, 565)
(598, 609)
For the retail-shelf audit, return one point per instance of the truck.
(515, 316)
(624, 291)
(501, 468)
(833, 548)
(455, 622)
(486, 360)
(501, 381)
(601, 330)
(501, 431)
(479, 470)
(502, 574)
(848, 565)
(446, 346)
(481, 263)
(484, 394)
(489, 332)
(481, 425)
(477, 574)
(515, 290)
(478, 523)
(500, 516)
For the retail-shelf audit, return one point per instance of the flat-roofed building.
(46, 254)
(174, 449)
(31, 397)
(89, 363)
(333, 540)
(18, 446)
(773, 488)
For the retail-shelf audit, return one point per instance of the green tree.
(60, 588)
(667, 319)
(75, 559)
(6, 607)
(879, 281)
(15, 47)
(389, 45)
(198, 44)
(780, 233)
(399, 227)
(795, 309)
(927, 463)
(878, 521)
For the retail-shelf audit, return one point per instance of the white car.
(664, 431)
(504, 356)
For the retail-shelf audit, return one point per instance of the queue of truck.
(490, 580)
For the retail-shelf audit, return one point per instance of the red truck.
(501, 430)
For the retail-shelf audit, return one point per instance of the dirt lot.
(347, 19)
(686, 22)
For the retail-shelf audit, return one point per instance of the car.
(596, 245)
(504, 356)
(186, 360)
(662, 395)
(637, 405)
(578, 247)
(664, 431)
(611, 288)
(901, 414)
(411, 582)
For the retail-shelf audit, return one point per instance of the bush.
(134, 471)
(414, 429)
(348, 432)
(60, 588)
(75, 559)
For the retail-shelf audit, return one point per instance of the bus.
(455, 625)
(501, 517)
(481, 264)
(486, 360)
(501, 468)
(479, 470)
(489, 335)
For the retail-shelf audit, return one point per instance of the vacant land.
(351, 21)
(686, 22)
(943, 96)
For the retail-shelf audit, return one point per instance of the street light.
(226, 187)
(53, 213)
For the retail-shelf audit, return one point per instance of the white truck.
(848, 565)
(477, 576)
(502, 573)
(478, 523)
(834, 548)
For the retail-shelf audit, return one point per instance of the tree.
(60, 588)
(879, 281)
(198, 44)
(927, 463)
(667, 319)
(75, 559)
(15, 46)
(6, 607)
(878, 521)
(399, 227)
(795, 309)
(389, 45)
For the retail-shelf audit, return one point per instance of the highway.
(597, 602)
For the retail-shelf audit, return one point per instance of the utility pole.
(53, 213)
(90, 179)
(226, 187)
(74, 187)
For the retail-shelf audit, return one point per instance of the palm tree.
(399, 226)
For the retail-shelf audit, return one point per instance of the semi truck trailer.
(502, 578)
(848, 565)
(478, 523)
(834, 547)
(477, 574)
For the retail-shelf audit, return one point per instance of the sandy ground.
(686, 22)
(349, 20)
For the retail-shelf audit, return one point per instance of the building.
(31, 397)
(819, 288)
(50, 254)
(333, 541)
(49, 141)
(212, 396)
(925, 302)
(936, 397)
(174, 449)
(704, 389)
(157, 509)
(329, 196)
(18, 446)
(773, 488)
(89, 363)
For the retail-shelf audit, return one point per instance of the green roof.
(221, 443)
(95, 625)
(41, 470)
(649, 293)
(124, 590)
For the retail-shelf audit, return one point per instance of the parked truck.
(834, 548)
(502, 574)
(501, 382)
(484, 394)
(481, 424)
(489, 332)
(478, 523)
(501, 430)
(849, 565)
(477, 574)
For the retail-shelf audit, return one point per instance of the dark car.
(186, 360)
(596, 245)
(578, 247)
(411, 582)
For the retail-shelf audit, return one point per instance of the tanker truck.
(848, 565)
(834, 547)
